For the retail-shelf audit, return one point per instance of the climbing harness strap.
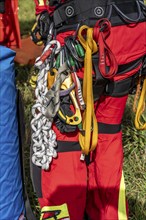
(68, 15)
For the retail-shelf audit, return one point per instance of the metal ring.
(69, 11)
(98, 11)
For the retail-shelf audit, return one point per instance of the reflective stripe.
(122, 215)
(60, 212)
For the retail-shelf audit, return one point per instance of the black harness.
(69, 14)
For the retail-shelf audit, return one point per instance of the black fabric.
(114, 88)
(2, 6)
(21, 129)
(128, 85)
(119, 12)
(108, 128)
(36, 179)
(69, 146)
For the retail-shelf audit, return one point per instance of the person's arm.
(40, 5)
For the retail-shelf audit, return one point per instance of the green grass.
(134, 141)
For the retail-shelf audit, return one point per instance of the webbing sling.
(101, 31)
(140, 108)
(88, 140)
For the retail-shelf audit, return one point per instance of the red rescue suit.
(97, 187)
(9, 25)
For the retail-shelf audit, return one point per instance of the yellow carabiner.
(76, 118)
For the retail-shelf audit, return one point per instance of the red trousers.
(93, 187)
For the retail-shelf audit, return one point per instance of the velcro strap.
(118, 12)
(70, 146)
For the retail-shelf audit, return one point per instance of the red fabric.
(9, 25)
(66, 182)
(128, 42)
(69, 179)
(106, 168)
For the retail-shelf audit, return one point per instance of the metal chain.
(43, 137)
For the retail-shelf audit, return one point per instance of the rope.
(88, 138)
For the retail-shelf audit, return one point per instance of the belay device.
(99, 48)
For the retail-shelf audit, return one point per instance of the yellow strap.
(122, 215)
(140, 108)
(88, 138)
(61, 209)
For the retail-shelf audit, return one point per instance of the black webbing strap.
(108, 128)
(21, 129)
(2, 6)
(70, 146)
(119, 12)
(125, 86)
